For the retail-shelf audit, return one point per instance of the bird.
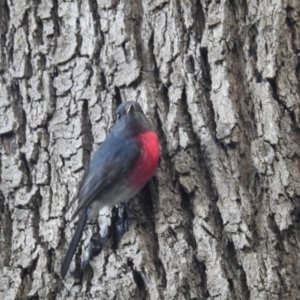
(119, 169)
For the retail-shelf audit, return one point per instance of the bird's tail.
(73, 245)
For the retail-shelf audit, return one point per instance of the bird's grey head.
(131, 119)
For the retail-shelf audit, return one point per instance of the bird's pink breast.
(147, 162)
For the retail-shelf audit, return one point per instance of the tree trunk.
(220, 82)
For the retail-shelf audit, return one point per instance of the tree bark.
(220, 82)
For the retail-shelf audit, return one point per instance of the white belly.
(114, 196)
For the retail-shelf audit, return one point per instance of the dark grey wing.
(113, 161)
(77, 192)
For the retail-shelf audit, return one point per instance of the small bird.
(119, 169)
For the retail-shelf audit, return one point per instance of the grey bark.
(220, 81)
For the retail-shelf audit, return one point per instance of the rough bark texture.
(220, 81)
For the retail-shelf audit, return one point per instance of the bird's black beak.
(130, 109)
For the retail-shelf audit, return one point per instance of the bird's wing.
(112, 161)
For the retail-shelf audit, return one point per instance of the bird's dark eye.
(118, 116)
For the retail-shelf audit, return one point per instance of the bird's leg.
(133, 212)
(137, 215)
